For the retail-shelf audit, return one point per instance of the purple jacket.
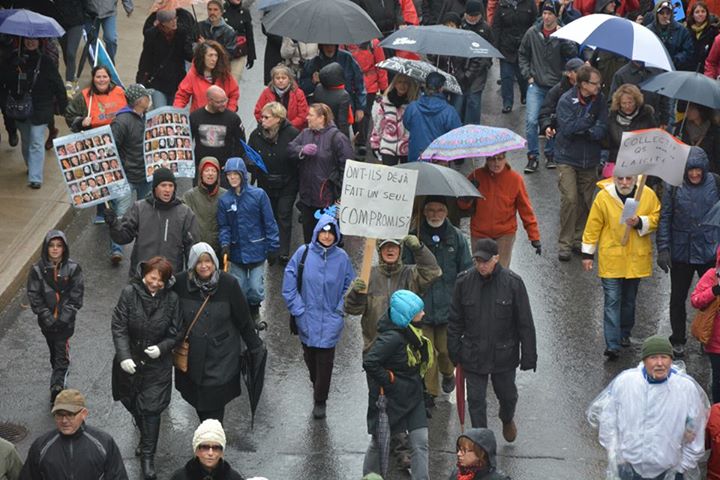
(321, 174)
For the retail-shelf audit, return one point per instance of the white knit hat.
(209, 431)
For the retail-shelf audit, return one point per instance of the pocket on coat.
(503, 308)
(219, 339)
(507, 355)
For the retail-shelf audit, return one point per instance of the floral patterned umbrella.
(473, 141)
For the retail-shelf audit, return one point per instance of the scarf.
(207, 287)
(698, 29)
(419, 349)
(473, 472)
(212, 189)
(281, 92)
(270, 134)
(626, 120)
(396, 99)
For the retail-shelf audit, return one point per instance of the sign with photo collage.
(90, 166)
(168, 142)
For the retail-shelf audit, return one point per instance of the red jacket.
(712, 62)
(376, 79)
(587, 7)
(297, 107)
(712, 443)
(195, 86)
(408, 12)
(703, 296)
(505, 196)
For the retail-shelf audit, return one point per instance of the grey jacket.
(107, 8)
(128, 129)
(166, 229)
(542, 58)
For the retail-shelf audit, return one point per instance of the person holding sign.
(620, 265)
(685, 245)
(97, 104)
(314, 284)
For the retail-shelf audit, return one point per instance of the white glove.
(152, 351)
(128, 365)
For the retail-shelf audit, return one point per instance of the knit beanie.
(657, 345)
(162, 174)
(404, 305)
(435, 199)
(135, 92)
(551, 6)
(210, 430)
(474, 7)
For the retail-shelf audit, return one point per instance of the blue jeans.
(109, 28)
(535, 97)
(32, 143)
(252, 282)
(123, 204)
(619, 311)
(468, 107)
(159, 99)
(508, 72)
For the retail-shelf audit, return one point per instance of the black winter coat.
(386, 14)
(140, 321)
(162, 63)
(510, 24)
(48, 90)
(216, 342)
(70, 13)
(405, 403)
(88, 453)
(55, 292)
(471, 73)
(434, 10)
(491, 323)
(185, 21)
(644, 119)
(329, 92)
(282, 176)
(194, 471)
(239, 18)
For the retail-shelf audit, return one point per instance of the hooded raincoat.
(426, 119)
(203, 201)
(318, 307)
(485, 439)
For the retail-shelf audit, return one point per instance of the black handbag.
(301, 267)
(20, 107)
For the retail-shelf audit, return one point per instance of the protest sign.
(376, 200)
(90, 167)
(652, 152)
(168, 142)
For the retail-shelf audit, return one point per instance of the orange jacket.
(505, 196)
(712, 443)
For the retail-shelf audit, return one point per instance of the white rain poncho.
(655, 427)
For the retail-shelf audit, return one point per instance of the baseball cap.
(69, 400)
(485, 249)
(573, 64)
(389, 240)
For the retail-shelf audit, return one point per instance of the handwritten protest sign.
(376, 200)
(168, 142)
(90, 167)
(652, 152)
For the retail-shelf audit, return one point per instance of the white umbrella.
(618, 35)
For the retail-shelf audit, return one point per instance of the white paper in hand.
(629, 210)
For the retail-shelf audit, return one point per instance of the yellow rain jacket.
(604, 232)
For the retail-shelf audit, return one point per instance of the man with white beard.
(620, 267)
(452, 253)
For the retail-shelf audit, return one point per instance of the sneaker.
(54, 392)
(13, 139)
(550, 163)
(625, 342)
(532, 164)
(116, 258)
(99, 220)
(319, 411)
(35, 185)
(678, 350)
(564, 256)
(448, 383)
(612, 355)
(510, 431)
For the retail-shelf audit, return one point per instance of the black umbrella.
(321, 21)
(434, 179)
(252, 369)
(441, 40)
(691, 86)
(418, 70)
(382, 432)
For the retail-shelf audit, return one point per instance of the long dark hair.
(96, 69)
(222, 67)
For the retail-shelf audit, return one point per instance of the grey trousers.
(505, 391)
(419, 469)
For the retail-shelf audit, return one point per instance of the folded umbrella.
(436, 179)
(25, 23)
(252, 370)
(691, 86)
(382, 433)
(472, 141)
(441, 40)
(618, 35)
(419, 70)
(320, 21)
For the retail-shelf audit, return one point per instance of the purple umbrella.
(472, 141)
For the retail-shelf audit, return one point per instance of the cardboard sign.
(652, 152)
(168, 142)
(90, 166)
(376, 200)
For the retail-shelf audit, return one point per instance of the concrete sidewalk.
(25, 214)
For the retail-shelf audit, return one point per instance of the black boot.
(255, 315)
(149, 431)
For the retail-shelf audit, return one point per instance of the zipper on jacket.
(167, 221)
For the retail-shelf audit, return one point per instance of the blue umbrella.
(263, 5)
(25, 23)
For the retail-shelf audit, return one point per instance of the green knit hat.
(656, 345)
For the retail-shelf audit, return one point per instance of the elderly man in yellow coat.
(620, 267)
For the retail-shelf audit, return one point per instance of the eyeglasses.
(597, 84)
(63, 414)
(465, 451)
(265, 117)
(203, 447)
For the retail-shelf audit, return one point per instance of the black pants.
(308, 221)
(218, 414)
(59, 360)
(363, 129)
(319, 362)
(282, 206)
(681, 277)
(505, 390)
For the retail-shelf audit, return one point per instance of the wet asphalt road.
(554, 439)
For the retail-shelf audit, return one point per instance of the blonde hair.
(626, 89)
(282, 68)
(276, 109)
(413, 89)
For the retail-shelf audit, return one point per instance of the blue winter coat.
(677, 41)
(683, 209)
(580, 129)
(246, 223)
(354, 79)
(426, 119)
(318, 308)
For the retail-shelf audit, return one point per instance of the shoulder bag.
(301, 267)
(182, 350)
(703, 322)
(20, 107)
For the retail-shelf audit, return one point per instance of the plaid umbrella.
(472, 141)
(419, 70)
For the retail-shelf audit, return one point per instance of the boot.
(255, 316)
(532, 164)
(149, 431)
